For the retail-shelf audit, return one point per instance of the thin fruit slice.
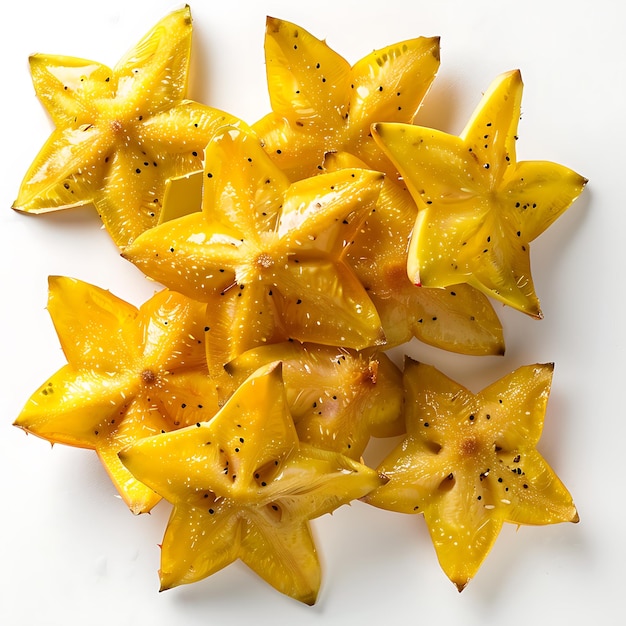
(267, 256)
(479, 208)
(321, 104)
(131, 373)
(120, 133)
(338, 398)
(469, 463)
(244, 487)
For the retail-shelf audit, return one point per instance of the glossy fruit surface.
(458, 318)
(120, 133)
(338, 397)
(479, 208)
(244, 487)
(131, 373)
(266, 255)
(322, 104)
(469, 463)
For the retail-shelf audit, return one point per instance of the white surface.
(70, 553)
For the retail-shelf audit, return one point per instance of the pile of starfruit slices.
(293, 253)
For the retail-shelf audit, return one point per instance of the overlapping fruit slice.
(265, 255)
(338, 398)
(479, 208)
(131, 373)
(244, 487)
(120, 133)
(322, 104)
(457, 318)
(469, 463)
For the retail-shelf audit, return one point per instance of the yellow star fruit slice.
(244, 487)
(267, 256)
(120, 133)
(479, 208)
(321, 104)
(458, 318)
(338, 398)
(131, 373)
(469, 463)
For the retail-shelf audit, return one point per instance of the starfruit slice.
(469, 463)
(131, 373)
(120, 133)
(479, 208)
(338, 397)
(244, 487)
(320, 103)
(267, 256)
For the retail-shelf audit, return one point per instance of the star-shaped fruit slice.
(338, 398)
(244, 487)
(469, 463)
(458, 318)
(320, 103)
(267, 255)
(120, 133)
(131, 373)
(479, 208)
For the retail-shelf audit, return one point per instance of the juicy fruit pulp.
(131, 373)
(479, 208)
(266, 255)
(120, 133)
(243, 486)
(469, 463)
(246, 391)
(321, 104)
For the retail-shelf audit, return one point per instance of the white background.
(71, 553)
